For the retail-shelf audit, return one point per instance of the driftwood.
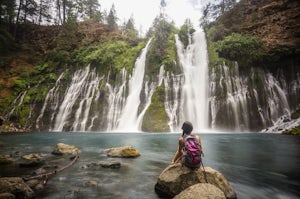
(46, 175)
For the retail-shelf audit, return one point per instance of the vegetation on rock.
(155, 118)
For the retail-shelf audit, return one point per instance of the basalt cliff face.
(275, 22)
(259, 94)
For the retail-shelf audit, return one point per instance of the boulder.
(201, 190)
(7, 196)
(123, 152)
(6, 160)
(90, 183)
(15, 186)
(62, 148)
(110, 164)
(176, 178)
(31, 160)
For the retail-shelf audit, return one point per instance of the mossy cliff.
(262, 36)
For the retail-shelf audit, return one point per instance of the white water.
(172, 99)
(194, 63)
(128, 120)
(89, 91)
(116, 101)
(240, 99)
(52, 98)
(84, 87)
(17, 103)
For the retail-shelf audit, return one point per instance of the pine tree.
(112, 18)
(130, 30)
(91, 10)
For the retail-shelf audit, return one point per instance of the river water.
(256, 165)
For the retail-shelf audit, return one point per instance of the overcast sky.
(144, 11)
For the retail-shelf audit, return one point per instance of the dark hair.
(187, 127)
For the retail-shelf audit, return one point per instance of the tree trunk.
(18, 16)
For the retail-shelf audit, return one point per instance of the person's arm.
(178, 153)
(200, 144)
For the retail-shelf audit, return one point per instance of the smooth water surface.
(256, 165)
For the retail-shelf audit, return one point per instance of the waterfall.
(193, 61)
(17, 103)
(245, 102)
(52, 98)
(89, 91)
(83, 87)
(172, 99)
(116, 101)
(129, 116)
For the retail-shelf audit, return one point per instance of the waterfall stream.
(194, 63)
(221, 98)
(129, 116)
(84, 86)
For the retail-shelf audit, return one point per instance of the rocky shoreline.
(41, 167)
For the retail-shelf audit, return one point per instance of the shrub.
(246, 49)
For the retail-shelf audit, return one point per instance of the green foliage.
(90, 9)
(155, 118)
(37, 94)
(6, 41)
(162, 49)
(130, 30)
(20, 85)
(295, 115)
(58, 57)
(246, 49)
(112, 18)
(185, 31)
(217, 32)
(293, 131)
(213, 56)
(67, 39)
(171, 55)
(212, 11)
(112, 55)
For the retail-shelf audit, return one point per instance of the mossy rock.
(155, 118)
(293, 131)
(123, 152)
(5, 160)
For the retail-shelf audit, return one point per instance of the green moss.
(111, 55)
(245, 49)
(293, 131)
(155, 119)
(296, 114)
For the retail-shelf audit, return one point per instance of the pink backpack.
(191, 152)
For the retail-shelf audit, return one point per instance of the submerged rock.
(91, 183)
(201, 190)
(110, 164)
(6, 160)
(62, 148)
(14, 186)
(31, 160)
(176, 178)
(123, 152)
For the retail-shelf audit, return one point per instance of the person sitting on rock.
(181, 153)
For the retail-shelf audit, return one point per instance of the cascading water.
(84, 86)
(52, 97)
(172, 99)
(116, 101)
(129, 116)
(194, 63)
(245, 103)
(248, 100)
